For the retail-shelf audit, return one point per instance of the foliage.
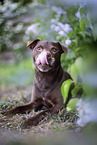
(12, 29)
(76, 71)
(65, 89)
(23, 2)
(88, 20)
(53, 23)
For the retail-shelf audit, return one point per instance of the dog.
(49, 76)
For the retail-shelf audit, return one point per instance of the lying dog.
(49, 77)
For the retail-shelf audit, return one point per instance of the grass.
(17, 75)
(51, 123)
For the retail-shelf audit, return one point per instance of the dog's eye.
(54, 49)
(38, 48)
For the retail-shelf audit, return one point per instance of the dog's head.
(46, 54)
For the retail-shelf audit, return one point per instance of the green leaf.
(88, 23)
(95, 32)
(89, 20)
(72, 104)
(70, 55)
(77, 68)
(82, 24)
(76, 89)
(80, 64)
(81, 11)
(65, 89)
(74, 72)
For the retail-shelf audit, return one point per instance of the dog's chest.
(44, 84)
(44, 88)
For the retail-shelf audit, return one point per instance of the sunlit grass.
(17, 74)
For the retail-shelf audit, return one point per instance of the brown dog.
(49, 77)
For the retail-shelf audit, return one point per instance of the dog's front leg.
(39, 117)
(36, 105)
(19, 109)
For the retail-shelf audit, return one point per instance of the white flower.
(19, 27)
(87, 111)
(52, 26)
(61, 33)
(58, 10)
(57, 28)
(53, 21)
(67, 28)
(78, 15)
(33, 28)
(68, 42)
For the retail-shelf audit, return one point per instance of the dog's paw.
(29, 122)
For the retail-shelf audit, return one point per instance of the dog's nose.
(48, 56)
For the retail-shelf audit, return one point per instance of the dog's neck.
(46, 80)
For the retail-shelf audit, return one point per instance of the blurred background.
(73, 23)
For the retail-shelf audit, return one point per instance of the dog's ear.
(64, 49)
(32, 44)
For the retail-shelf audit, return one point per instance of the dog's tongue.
(42, 58)
(46, 61)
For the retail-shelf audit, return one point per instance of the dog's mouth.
(44, 61)
(44, 68)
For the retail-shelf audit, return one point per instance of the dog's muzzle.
(44, 61)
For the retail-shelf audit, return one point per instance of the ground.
(10, 126)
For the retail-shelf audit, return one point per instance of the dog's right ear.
(32, 44)
(64, 49)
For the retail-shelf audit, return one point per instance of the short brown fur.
(47, 85)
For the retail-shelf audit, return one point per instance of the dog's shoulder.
(66, 76)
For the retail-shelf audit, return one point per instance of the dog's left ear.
(32, 44)
(64, 49)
